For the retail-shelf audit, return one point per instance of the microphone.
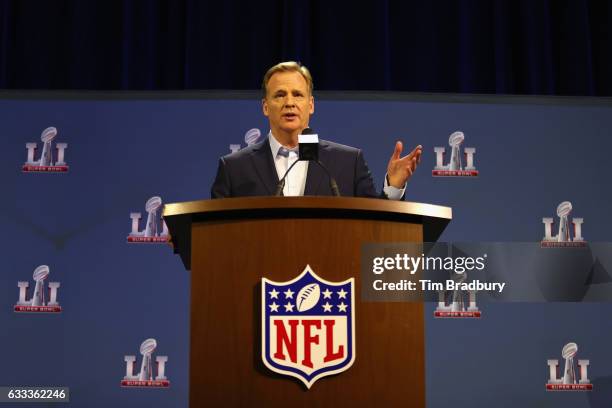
(308, 143)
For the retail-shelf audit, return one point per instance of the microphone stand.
(332, 182)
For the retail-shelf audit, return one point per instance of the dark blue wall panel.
(531, 154)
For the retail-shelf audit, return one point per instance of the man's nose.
(289, 101)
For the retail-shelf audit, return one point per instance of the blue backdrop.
(532, 153)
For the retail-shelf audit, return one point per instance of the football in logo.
(41, 273)
(252, 136)
(308, 297)
(48, 134)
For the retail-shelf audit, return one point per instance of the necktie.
(292, 182)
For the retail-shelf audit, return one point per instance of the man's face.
(288, 103)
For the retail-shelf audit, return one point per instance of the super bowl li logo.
(250, 137)
(563, 238)
(145, 377)
(151, 233)
(452, 303)
(41, 302)
(308, 326)
(455, 167)
(569, 382)
(44, 163)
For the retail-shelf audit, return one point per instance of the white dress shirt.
(295, 183)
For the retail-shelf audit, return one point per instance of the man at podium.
(288, 103)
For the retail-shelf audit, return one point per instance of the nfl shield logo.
(308, 326)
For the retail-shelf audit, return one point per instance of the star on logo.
(288, 307)
(327, 294)
(342, 307)
(342, 294)
(288, 294)
(327, 307)
(273, 307)
(273, 294)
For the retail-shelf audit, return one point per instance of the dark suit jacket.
(251, 172)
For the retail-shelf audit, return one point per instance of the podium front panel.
(228, 260)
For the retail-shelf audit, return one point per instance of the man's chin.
(292, 127)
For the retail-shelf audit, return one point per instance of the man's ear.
(311, 108)
(264, 107)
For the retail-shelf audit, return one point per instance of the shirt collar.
(275, 145)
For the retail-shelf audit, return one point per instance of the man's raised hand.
(400, 169)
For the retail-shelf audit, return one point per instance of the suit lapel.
(264, 166)
(315, 174)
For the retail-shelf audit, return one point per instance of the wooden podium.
(230, 244)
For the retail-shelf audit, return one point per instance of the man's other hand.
(400, 169)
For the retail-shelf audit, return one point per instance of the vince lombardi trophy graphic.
(563, 210)
(569, 381)
(455, 166)
(565, 236)
(45, 162)
(40, 274)
(146, 369)
(146, 377)
(455, 141)
(38, 303)
(151, 231)
(152, 207)
(47, 137)
(457, 304)
(568, 353)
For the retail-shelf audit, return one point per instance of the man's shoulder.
(338, 147)
(247, 152)
(244, 153)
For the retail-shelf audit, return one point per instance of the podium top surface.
(180, 216)
(394, 209)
